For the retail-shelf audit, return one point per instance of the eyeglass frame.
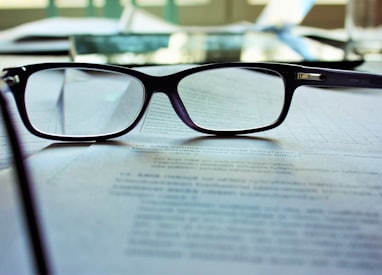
(294, 76)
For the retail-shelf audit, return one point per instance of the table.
(304, 198)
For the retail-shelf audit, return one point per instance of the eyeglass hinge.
(310, 76)
(11, 80)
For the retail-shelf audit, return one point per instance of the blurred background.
(327, 14)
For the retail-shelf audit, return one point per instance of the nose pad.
(176, 102)
(160, 117)
(180, 109)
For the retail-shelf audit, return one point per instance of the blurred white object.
(284, 13)
(364, 27)
(137, 20)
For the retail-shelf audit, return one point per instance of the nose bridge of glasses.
(162, 84)
(167, 85)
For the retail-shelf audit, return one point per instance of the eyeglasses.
(83, 102)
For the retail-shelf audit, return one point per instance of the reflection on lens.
(233, 99)
(82, 102)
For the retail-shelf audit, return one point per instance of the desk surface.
(304, 198)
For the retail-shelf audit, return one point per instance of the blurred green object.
(113, 9)
(90, 9)
(51, 9)
(171, 12)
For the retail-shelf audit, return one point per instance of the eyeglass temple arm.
(25, 189)
(338, 78)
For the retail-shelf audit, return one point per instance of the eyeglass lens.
(233, 99)
(82, 102)
(87, 102)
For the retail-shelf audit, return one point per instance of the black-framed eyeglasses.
(83, 102)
